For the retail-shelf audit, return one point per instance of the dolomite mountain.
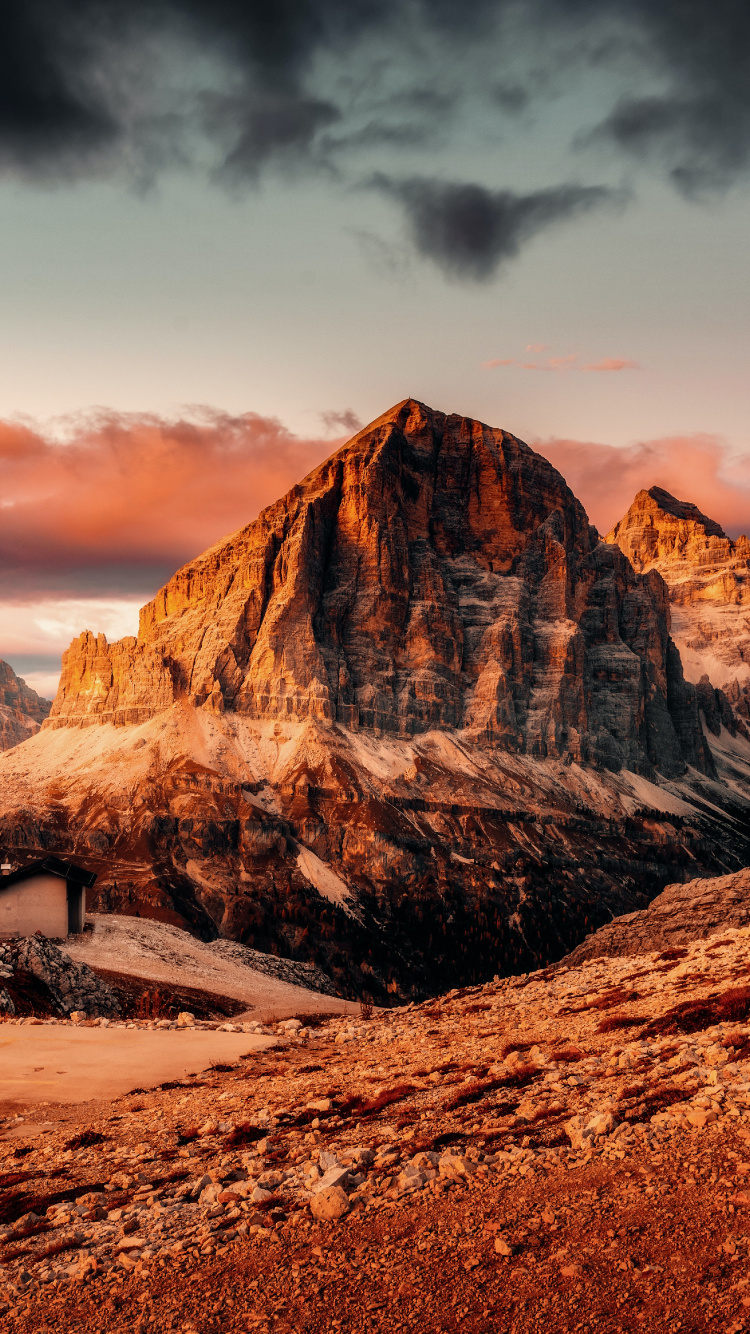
(415, 724)
(22, 711)
(708, 576)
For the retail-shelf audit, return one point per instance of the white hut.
(48, 896)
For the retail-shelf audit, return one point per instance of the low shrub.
(86, 1139)
(693, 1016)
(615, 1021)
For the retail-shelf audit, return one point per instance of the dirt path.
(61, 1064)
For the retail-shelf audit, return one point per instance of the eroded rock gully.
(564, 1150)
(414, 725)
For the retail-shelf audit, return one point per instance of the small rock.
(270, 1180)
(335, 1176)
(701, 1116)
(453, 1165)
(329, 1204)
(321, 1105)
(259, 1195)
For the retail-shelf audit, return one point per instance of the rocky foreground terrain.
(414, 725)
(567, 1150)
(22, 711)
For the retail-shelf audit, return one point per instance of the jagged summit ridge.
(683, 509)
(434, 573)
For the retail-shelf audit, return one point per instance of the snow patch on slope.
(653, 797)
(323, 878)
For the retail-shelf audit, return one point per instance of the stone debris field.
(563, 1151)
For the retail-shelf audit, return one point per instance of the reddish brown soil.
(636, 1247)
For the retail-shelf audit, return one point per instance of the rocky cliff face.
(682, 913)
(433, 573)
(21, 710)
(415, 725)
(708, 576)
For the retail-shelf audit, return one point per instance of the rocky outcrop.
(65, 986)
(433, 573)
(708, 576)
(683, 912)
(22, 711)
(286, 970)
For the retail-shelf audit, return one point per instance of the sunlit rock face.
(22, 711)
(416, 725)
(434, 573)
(708, 576)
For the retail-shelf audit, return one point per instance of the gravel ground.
(568, 1151)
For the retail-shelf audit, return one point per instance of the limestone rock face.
(22, 711)
(708, 576)
(434, 573)
(681, 913)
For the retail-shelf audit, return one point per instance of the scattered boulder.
(329, 1204)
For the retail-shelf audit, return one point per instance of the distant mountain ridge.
(416, 724)
(22, 711)
(708, 576)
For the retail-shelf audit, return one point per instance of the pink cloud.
(124, 499)
(566, 363)
(611, 364)
(536, 347)
(696, 467)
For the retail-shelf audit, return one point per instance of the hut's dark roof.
(50, 866)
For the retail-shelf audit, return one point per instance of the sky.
(233, 232)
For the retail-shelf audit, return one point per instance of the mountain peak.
(434, 573)
(668, 504)
(659, 529)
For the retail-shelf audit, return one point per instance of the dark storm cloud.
(468, 231)
(697, 122)
(51, 112)
(271, 128)
(704, 141)
(95, 86)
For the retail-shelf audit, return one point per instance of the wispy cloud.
(469, 231)
(611, 364)
(346, 420)
(570, 362)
